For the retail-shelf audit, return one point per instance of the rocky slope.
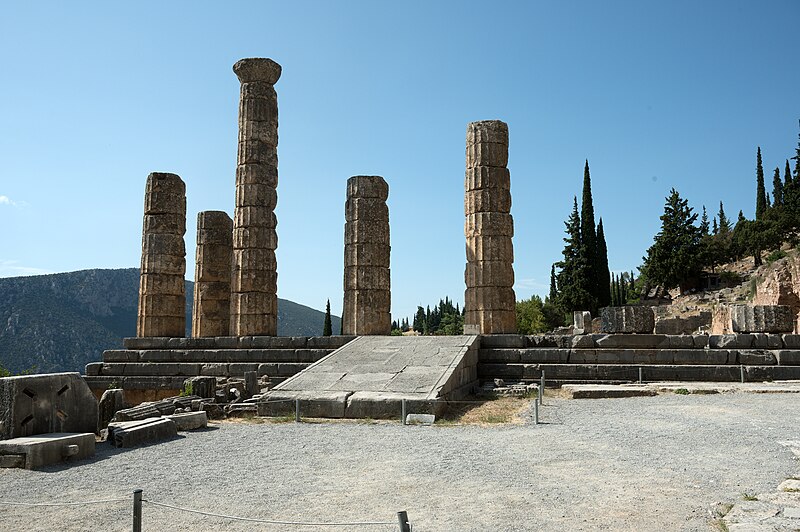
(62, 321)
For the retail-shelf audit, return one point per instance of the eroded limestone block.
(40, 404)
(367, 279)
(761, 318)
(162, 297)
(627, 319)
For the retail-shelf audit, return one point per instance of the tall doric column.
(489, 299)
(254, 283)
(162, 293)
(367, 295)
(212, 275)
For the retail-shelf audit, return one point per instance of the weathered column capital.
(253, 69)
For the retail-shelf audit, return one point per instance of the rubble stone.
(255, 282)
(162, 297)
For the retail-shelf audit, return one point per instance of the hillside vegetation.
(60, 322)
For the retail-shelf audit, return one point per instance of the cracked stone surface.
(373, 374)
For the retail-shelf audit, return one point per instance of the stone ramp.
(372, 375)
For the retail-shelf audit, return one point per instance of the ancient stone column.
(254, 281)
(489, 299)
(212, 275)
(367, 295)
(162, 295)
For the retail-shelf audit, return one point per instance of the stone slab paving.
(771, 511)
(381, 371)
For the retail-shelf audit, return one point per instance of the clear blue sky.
(94, 96)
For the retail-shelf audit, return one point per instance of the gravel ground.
(654, 463)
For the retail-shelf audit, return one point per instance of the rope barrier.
(78, 503)
(268, 521)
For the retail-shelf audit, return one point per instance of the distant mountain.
(60, 322)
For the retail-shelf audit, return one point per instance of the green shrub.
(4, 372)
(775, 255)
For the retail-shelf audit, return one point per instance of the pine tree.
(553, 288)
(715, 227)
(761, 193)
(589, 237)
(674, 256)
(603, 275)
(777, 188)
(327, 328)
(787, 175)
(574, 290)
(704, 223)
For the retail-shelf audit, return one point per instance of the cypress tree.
(777, 188)
(715, 227)
(574, 290)
(787, 176)
(603, 275)
(797, 161)
(589, 237)
(724, 223)
(761, 193)
(327, 328)
(704, 222)
(553, 289)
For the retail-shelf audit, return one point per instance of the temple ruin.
(254, 284)
(367, 295)
(489, 299)
(162, 293)
(212, 275)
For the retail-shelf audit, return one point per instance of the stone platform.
(620, 358)
(372, 375)
(149, 369)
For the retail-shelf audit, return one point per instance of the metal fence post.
(535, 413)
(541, 390)
(403, 414)
(137, 510)
(405, 526)
(640, 375)
(297, 410)
(741, 372)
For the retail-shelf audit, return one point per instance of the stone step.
(216, 355)
(643, 341)
(620, 372)
(239, 342)
(183, 369)
(762, 357)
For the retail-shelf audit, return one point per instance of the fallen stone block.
(627, 320)
(420, 419)
(202, 387)
(189, 420)
(41, 404)
(598, 391)
(132, 433)
(111, 402)
(762, 318)
(241, 409)
(33, 452)
(164, 407)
